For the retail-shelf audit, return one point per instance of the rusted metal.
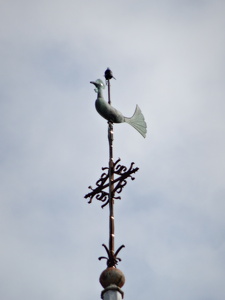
(119, 183)
(112, 259)
(111, 189)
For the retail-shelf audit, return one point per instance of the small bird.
(113, 115)
(109, 74)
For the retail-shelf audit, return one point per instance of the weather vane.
(113, 180)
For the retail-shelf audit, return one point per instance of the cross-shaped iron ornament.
(108, 179)
(99, 192)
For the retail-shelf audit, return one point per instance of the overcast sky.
(169, 58)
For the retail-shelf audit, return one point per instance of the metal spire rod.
(111, 182)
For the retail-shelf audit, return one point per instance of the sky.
(169, 58)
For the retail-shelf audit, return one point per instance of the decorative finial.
(111, 276)
(111, 183)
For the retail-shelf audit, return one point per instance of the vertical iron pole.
(111, 185)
